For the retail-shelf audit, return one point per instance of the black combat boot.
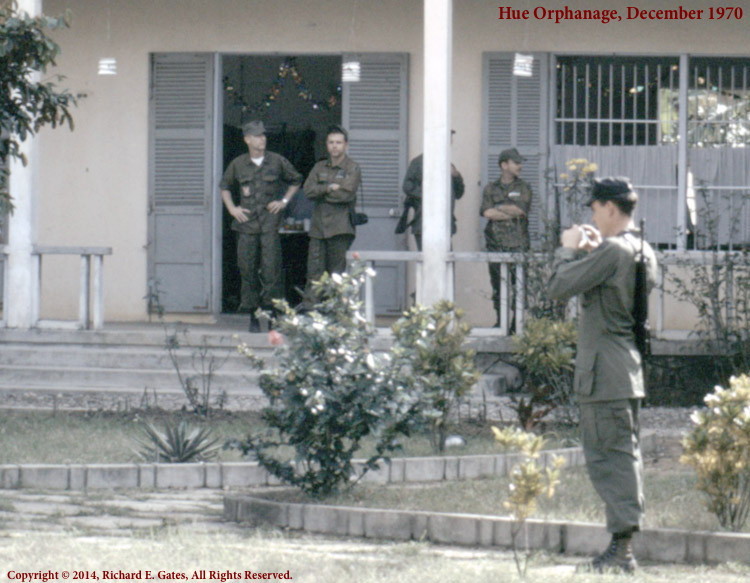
(618, 558)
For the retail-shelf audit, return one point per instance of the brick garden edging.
(660, 545)
(248, 474)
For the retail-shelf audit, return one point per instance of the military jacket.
(608, 364)
(412, 188)
(331, 215)
(257, 186)
(512, 234)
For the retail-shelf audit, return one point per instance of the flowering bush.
(328, 390)
(576, 186)
(718, 448)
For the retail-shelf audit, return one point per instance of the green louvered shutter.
(374, 112)
(515, 113)
(180, 180)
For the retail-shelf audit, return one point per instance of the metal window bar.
(614, 101)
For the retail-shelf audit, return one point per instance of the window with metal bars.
(633, 101)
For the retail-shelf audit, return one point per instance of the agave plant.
(179, 443)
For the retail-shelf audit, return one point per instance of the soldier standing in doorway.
(332, 185)
(266, 182)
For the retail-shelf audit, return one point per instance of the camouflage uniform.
(608, 373)
(258, 242)
(507, 235)
(331, 229)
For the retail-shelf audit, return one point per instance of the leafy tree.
(27, 103)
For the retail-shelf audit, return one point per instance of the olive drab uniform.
(331, 228)
(412, 188)
(509, 235)
(608, 372)
(258, 241)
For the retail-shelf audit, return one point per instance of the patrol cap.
(253, 128)
(616, 188)
(510, 154)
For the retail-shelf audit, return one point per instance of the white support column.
(22, 223)
(436, 207)
(682, 153)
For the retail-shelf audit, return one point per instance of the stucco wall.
(94, 180)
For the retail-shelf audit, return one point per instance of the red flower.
(355, 255)
(274, 338)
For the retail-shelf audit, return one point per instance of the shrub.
(528, 481)
(429, 341)
(718, 448)
(180, 443)
(546, 351)
(328, 391)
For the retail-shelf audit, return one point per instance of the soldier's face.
(511, 168)
(256, 142)
(601, 215)
(336, 144)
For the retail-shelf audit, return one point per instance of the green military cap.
(510, 154)
(612, 188)
(253, 128)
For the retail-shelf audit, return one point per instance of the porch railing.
(507, 261)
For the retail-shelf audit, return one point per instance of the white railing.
(91, 287)
(666, 260)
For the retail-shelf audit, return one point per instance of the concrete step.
(17, 376)
(132, 357)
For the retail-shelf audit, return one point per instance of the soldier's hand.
(571, 237)
(591, 238)
(240, 214)
(275, 206)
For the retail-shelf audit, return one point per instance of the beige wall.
(94, 180)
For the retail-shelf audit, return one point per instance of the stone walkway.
(111, 513)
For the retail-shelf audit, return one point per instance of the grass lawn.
(313, 559)
(671, 499)
(109, 437)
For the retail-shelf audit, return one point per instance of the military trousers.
(327, 255)
(611, 446)
(497, 282)
(259, 260)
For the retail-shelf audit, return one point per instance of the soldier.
(506, 204)
(332, 185)
(266, 183)
(412, 188)
(601, 266)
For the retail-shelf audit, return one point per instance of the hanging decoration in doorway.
(287, 70)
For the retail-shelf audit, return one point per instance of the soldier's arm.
(457, 183)
(314, 188)
(519, 207)
(412, 186)
(236, 211)
(575, 272)
(225, 186)
(345, 189)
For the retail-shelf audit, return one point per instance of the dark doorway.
(297, 98)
